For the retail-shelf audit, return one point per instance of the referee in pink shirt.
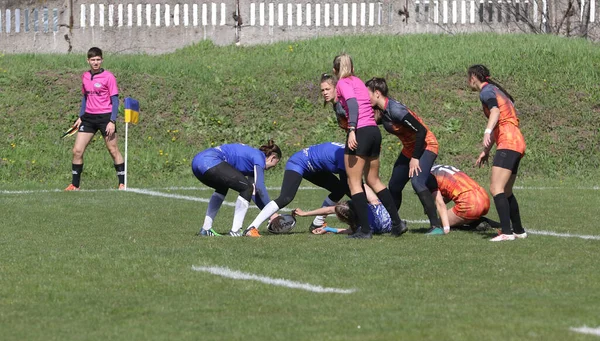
(99, 108)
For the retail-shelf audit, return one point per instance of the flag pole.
(126, 136)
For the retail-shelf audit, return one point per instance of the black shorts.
(507, 159)
(369, 142)
(91, 123)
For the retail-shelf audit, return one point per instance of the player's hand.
(352, 143)
(110, 129)
(482, 159)
(299, 212)
(77, 123)
(413, 167)
(487, 140)
(319, 230)
(275, 215)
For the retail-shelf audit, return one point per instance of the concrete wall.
(159, 26)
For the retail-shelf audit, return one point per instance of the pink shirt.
(353, 87)
(98, 89)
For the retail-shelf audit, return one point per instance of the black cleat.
(361, 235)
(399, 230)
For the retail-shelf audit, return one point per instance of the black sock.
(76, 171)
(385, 196)
(120, 168)
(430, 209)
(515, 215)
(359, 201)
(503, 212)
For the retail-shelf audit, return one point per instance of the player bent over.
(471, 201)
(227, 166)
(317, 164)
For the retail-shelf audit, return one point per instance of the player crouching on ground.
(379, 218)
(471, 201)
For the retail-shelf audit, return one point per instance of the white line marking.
(563, 235)
(225, 272)
(54, 191)
(185, 197)
(586, 330)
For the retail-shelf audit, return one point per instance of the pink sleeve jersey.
(353, 87)
(99, 88)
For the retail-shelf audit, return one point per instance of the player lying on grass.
(471, 201)
(379, 219)
(317, 164)
(228, 166)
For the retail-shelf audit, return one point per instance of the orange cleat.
(252, 232)
(71, 187)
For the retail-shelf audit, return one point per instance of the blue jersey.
(324, 157)
(247, 160)
(239, 156)
(379, 219)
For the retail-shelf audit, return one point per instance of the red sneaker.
(71, 187)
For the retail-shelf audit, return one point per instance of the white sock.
(320, 219)
(213, 208)
(241, 207)
(265, 214)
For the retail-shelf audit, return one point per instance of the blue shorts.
(382, 223)
(206, 160)
(298, 164)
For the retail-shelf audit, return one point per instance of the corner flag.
(132, 114)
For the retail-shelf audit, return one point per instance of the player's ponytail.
(345, 214)
(482, 74)
(342, 66)
(271, 148)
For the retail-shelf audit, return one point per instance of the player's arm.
(442, 210)
(421, 132)
(260, 197)
(81, 110)
(319, 211)
(488, 98)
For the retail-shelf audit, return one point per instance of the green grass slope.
(204, 95)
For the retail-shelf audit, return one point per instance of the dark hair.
(94, 52)
(483, 75)
(345, 213)
(378, 84)
(270, 148)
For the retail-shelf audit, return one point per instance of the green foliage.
(213, 95)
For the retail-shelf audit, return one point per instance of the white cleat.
(235, 234)
(520, 235)
(503, 238)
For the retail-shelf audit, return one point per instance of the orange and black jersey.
(451, 182)
(397, 119)
(340, 115)
(506, 132)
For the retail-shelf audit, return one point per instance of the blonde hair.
(342, 66)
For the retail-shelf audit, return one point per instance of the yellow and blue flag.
(132, 110)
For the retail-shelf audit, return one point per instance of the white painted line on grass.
(586, 330)
(54, 191)
(184, 197)
(563, 235)
(225, 272)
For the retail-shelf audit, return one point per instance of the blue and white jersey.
(247, 160)
(324, 157)
(379, 219)
(239, 156)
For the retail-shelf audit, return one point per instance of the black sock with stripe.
(76, 171)
(120, 168)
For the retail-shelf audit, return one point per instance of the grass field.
(99, 265)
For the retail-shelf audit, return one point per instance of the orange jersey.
(470, 199)
(506, 132)
(399, 120)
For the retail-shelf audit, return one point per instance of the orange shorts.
(472, 205)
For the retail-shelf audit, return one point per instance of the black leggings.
(223, 176)
(291, 182)
(400, 175)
